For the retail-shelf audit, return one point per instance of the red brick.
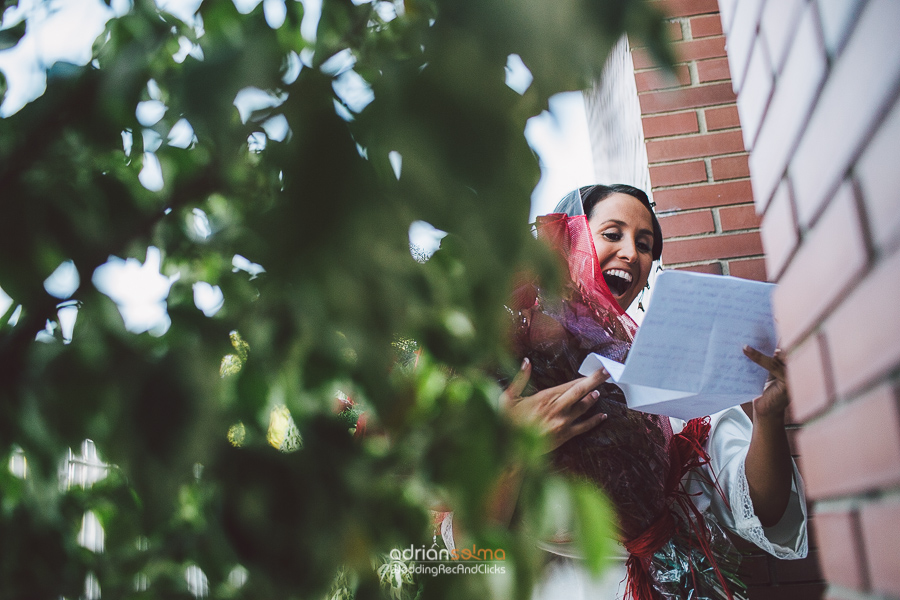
(754, 268)
(808, 380)
(659, 79)
(694, 97)
(741, 37)
(713, 47)
(709, 268)
(839, 553)
(712, 248)
(738, 217)
(791, 103)
(879, 179)
(686, 8)
(778, 26)
(792, 436)
(714, 69)
(755, 94)
(795, 571)
(724, 117)
(687, 223)
(695, 146)
(754, 570)
(684, 51)
(701, 196)
(790, 419)
(811, 529)
(642, 59)
(862, 333)
(678, 174)
(880, 525)
(706, 26)
(674, 124)
(800, 591)
(674, 31)
(779, 232)
(828, 262)
(843, 116)
(853, 449)
(730, 167)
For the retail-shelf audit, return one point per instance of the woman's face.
(623, 238)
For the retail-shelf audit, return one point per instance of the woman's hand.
(774, 400)
(554, 410)
(768, 463)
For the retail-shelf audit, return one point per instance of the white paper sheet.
(687, 359)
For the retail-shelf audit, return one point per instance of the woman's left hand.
(774, 399)
(768, 462)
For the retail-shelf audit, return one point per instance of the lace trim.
(447, 531)
(747, 524)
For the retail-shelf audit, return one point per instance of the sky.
(560, 137)
(64, 30)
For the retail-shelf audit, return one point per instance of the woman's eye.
(612, 236)
(644, 247)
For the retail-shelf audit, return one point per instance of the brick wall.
(698, 167)
(699, 125)
(818, 83)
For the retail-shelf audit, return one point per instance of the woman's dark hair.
(591, 195)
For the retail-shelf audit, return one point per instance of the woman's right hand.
(555, 410)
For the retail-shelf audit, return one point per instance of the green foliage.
(184, 416)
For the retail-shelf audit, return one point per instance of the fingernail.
(604, 416)
(525, 363)
(595, 394)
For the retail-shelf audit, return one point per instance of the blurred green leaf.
(594, 514)
(306, 235)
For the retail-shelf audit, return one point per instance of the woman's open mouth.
(618, 281)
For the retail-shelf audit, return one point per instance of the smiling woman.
(626, 234)
(623, 238)
(675, 486)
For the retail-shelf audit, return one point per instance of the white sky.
(560, 137)
(56, 31)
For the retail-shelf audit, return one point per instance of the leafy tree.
(184, 416)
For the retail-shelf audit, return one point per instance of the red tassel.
(686, 452)
(638, 585)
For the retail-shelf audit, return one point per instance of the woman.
(738, 474)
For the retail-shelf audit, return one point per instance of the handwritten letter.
(687, 358)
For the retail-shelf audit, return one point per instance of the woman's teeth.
(620, 273)
(617, 280)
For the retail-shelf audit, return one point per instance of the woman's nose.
(628, 250)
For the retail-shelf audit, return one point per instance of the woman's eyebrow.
(624, 224)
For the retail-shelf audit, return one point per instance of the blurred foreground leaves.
(322, 218)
